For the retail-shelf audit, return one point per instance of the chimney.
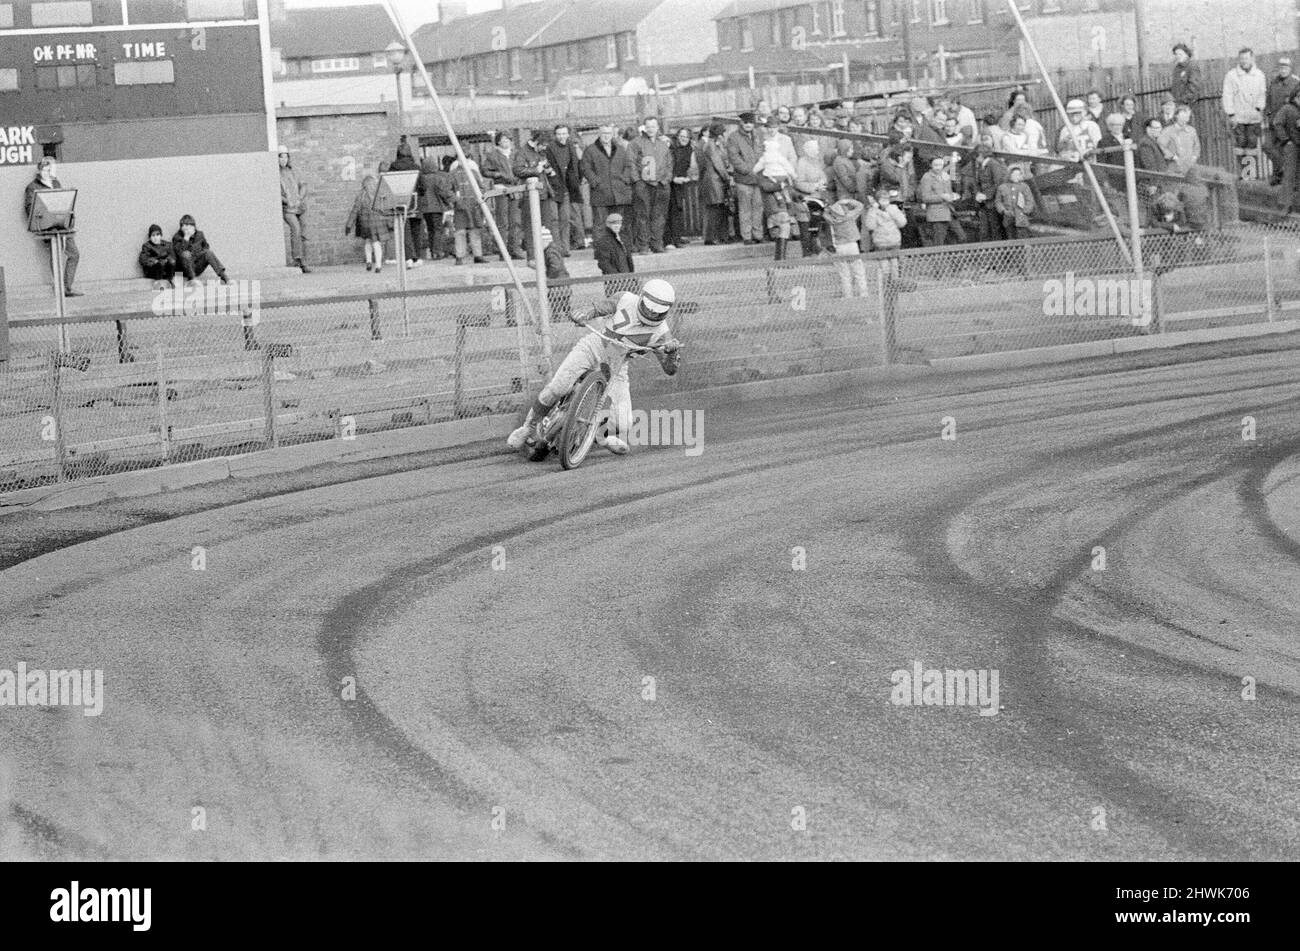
(449, 10)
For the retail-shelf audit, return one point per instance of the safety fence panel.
(150, 389)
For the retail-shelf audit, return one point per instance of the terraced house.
(588, 47)
(785, 38)
(333, 55)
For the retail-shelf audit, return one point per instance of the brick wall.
(333, 150)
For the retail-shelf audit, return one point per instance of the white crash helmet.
(657, 298)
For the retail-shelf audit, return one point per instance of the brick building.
(950, 39)
(587, 47)
(324, 55)
(954, 40)
(1082, 34)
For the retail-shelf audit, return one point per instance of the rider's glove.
(671, 346)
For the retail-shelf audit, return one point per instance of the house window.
(502, 59)
(611, 52)
(8, 80)
(74, 13)
(776, 28)
(570, 54)
(144, 72)
(629, 46)
(939, 12)
(214, 9)
(6, 16)
(916, 11)
(516, 72)
(724, 34)
(345, 64)
(977, 11)
(539, 65)
(816, 20)
(837, 18)
(871, 14)
(380, 61)
(746, 35)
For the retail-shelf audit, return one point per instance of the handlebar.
(625, 345)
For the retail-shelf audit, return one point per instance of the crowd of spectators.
(930, 172)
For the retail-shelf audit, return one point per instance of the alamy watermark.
(53, 688)
(1074, 296)
(127, 905)
(666, 427)
(211, 298)
(932, 687)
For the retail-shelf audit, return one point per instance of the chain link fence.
(144, 390)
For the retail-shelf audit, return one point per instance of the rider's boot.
(517, 438)
(780, 249)
(528, 431)
(606, 440)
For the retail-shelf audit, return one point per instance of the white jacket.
(1244, 94)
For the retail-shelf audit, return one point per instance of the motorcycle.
(570, 428)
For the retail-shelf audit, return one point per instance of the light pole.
(397, 57)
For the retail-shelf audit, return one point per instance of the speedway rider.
(626, 326)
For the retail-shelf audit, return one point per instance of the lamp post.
(397, 59)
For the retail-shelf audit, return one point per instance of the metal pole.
(57, 246)
(399, 229)
(400, 26)
(164, 432)
(1143, 318)
(1060, 107)
(1269, 305)
(539, 262)
(56, 408)
(268, 395)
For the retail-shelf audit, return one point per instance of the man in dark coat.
(609, 176)
(1280, 91)
(45, 179)
(498, 169)
(437, 196)
(715, 185)
(193, 253)
(1286, 143)
(405, 162)
(651, 158)
(743, 151)
(1150, 157)
(530, 162)
(564, 180)
(984, 174)
(613, 255)
(1185, 81)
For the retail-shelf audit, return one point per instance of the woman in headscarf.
(685, 185)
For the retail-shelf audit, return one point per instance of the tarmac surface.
(667, 656)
